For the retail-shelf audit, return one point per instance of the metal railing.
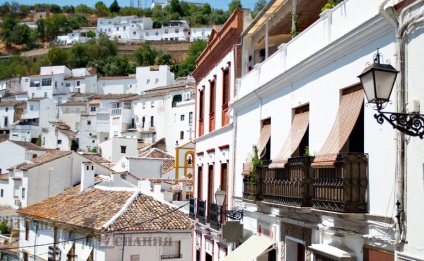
(192, 213)
(201, 211)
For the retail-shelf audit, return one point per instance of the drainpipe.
(35, 237)
(123, 248)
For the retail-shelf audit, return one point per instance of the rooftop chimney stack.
(87, 175)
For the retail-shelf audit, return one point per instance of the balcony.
(201, 211)
(214, 217)
(103, 110)
(116, 111)
(341, 188)
(289, 186)
(192, 214)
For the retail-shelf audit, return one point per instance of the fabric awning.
(263, 139)
(347, 115)
(332, 252)
(250, 249)
(298, 129)
(247, 168)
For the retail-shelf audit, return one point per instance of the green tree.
(101, 9)
(58, 56)
(83, 9)
(9, 22)
(114, 7)
(206, 9)
(91, 34)
(233, 5)
(70, 9)
(176, 8)
(55, 9)
(145, 55)
(41, 29)
(20, 34)
(189, 64)
(260, 4)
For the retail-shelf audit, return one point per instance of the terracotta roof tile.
(148, 95)
(95, 158)
(167, 165)
(155, 153)
(10, 103)
(47, 157)
(113, 96)
(73, 103)
(87, 210)
(69, 133)
(4, 176)
(28, 145)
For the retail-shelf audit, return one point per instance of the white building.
(175, 30)
(36, 115)
(117, 85)
(200, 33)
(58, 136)
(163, 112)
(76, 36)
(151, 77)
(32, 181)
(22, 151)
(124, 27)
(330, 176)
(89, 230)
(59, 79)
(10, 112)
(70, 113)
(115, 148)
(215, 73)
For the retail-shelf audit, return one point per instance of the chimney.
(87, 175)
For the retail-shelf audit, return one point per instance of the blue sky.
(217, 4)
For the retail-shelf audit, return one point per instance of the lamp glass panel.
(385, 81)
(367, 81)
(220, 197)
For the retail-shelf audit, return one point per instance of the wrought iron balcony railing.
(192, 213)
(214, 217)
(201, 211)
(343, 188)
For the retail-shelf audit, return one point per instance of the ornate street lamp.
(219, 199)
(378, 80)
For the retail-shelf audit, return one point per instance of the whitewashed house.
(22, 151)
(10, 112)
(115, 148)
(200, 33)
(216, 70)
(174, 30)
(124, 28)
(58, 136)
(76, 36)
(37, 112)
(34, 180)
(149, 228)
(151, 77)
(59, 79)
(117, 85)
(70, 113)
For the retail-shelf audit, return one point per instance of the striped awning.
(347, 115)
(263, 139)
(298, 129)
(250, 249)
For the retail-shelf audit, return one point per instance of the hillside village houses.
(332, 183)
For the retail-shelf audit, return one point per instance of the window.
(68, 84)
(123, 149)
(201, 112)
(59, 142)
(44, 141)
(33, 83)
(23, 193)
(157, 33)
(143, 120)
(1, 193)
(181, 135)
(212, 106)
(147, 33)
(88, 122)
(177, 30)
(93, 109)
(26, 230)
(171, 250)
(45, 94)
(6, 121)
(225, 95)
(46, 82)
(152, 104)
(152, 121)
(78, 83)
(7, 109)
(134, 33)
(166, 31)
(148, 81)
(190, 118)
(33, 95)
(182, 117)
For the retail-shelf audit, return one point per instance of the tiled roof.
(113, 96)
(94, 102)
(69, 133)
(73, 103)
(167, 165)
(117, 77)
(10, 247)
(37, 99)
(80, 94)
(146, 213)
(87, 210)
(4, 176)
(95, 158)
(148, 95)
(175, 86)
(10, 103)
(50, 155)
(90, 209)
(155, 153)
(28, 145)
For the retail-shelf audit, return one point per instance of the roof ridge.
(124, 208)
